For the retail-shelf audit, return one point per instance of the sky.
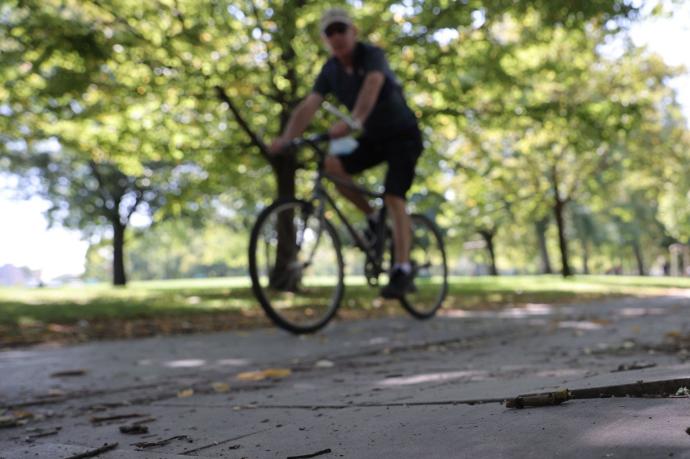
(25, 239)
(670, 37)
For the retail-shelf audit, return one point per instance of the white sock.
(404, 267)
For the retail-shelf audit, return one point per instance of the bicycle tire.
(431, 285)
(260, 275)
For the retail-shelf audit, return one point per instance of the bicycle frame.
(322, 196)
(307, 219)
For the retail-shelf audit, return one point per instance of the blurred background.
(557, 141)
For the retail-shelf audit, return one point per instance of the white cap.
(333, 15)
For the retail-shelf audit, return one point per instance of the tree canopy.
(116, 107)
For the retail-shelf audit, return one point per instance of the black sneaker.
(399, 284)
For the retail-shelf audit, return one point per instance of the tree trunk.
(540, 227)
(638, 257)
(284, 168)
(489, 239)
(559, 212)
(119, 277)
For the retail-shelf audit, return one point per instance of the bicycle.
(296, 263)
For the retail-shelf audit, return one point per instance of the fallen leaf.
(278, 372)
(8, 421)
(627, 344)
(22, 414)
(185, 393)
(603, 322)
(251, 376)
(264, 374)
(15, 419)
(324, 364)
(221, 387)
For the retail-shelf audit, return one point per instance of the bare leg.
(402, 227)
(335, 168)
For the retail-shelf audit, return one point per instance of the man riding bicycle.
(359, 76)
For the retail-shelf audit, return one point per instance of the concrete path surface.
(395, 388)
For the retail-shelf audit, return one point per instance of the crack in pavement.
(75, 396)
(216, 443)
(639, 389)
(352, 405)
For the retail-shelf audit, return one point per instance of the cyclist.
(359, 76)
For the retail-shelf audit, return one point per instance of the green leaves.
(508, 92)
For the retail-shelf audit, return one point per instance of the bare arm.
(366, 99)
(368, 94)
(301, 116)
(298, 122)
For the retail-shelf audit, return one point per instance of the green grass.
(155, 299)
(489, 291)
(137, 300)
(591, 284)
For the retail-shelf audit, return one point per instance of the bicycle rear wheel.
(428, 260)
(296, 266)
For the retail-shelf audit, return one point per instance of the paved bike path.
(384, 388)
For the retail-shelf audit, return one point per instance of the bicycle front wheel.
(428, 260)
(296, 266)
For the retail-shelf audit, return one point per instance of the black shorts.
(400, 152)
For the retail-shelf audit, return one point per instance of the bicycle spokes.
(296, 265)
(428, 261)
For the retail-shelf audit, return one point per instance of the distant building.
(14, 275)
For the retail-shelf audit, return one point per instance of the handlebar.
(312, 140)
(315, 139)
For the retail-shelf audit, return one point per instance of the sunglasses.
(335, 28)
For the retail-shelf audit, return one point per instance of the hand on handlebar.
(339, 129)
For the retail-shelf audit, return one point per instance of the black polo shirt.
(390, 116)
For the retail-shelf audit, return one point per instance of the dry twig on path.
(151, 444)
(307, 456)
(535, 400)
(665, 388)
(66, 373)
(116, 417)
(94, 452)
